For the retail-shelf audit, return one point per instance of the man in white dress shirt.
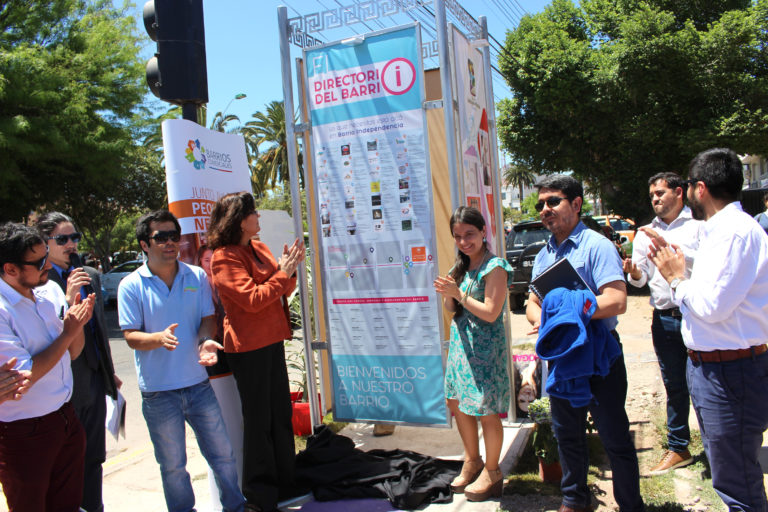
(724, 304)
(41, 440)
(674, 222)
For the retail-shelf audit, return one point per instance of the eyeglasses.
(550, 201)
(162, 237)
(38, 264)
(62, 239)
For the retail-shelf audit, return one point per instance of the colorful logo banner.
(201, 165)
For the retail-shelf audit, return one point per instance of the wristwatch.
(674, 283)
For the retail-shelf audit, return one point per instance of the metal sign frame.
(297, 30)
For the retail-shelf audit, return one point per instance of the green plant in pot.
(544, 441)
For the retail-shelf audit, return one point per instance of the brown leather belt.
(723, 356)
(673, 312)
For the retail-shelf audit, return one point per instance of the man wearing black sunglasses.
(42, 443)
(93, 372)
(168, 318)
(595, 258)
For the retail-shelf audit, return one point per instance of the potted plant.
(544, 442)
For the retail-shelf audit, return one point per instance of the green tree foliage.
(528, 207)
(617, 90)
(70, 82)
(271, 164)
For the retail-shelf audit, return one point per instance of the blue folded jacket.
(576, 347)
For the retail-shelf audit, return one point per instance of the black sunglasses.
(162, 237)
(550, 201)
(38, 264)
(62, 239)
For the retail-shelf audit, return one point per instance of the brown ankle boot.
(469, 473)
(489, 484)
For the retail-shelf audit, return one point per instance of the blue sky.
(242, 45)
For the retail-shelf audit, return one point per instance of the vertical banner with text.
(475, 144)
(201, 165)
(377, 242)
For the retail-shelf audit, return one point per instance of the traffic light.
(177, 73)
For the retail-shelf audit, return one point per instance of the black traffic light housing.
(177, 73)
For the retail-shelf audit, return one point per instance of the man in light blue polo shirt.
(167, 316)
(596, 260)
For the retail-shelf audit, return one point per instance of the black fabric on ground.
(334, 469)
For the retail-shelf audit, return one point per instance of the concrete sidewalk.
(132, 478)
(435, 442)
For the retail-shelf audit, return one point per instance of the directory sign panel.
(374, 197)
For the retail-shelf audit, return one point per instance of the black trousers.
(268, 447)
(92, 414)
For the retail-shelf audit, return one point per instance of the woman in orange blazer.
(254, 290)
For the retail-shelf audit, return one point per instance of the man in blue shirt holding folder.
(596, 260)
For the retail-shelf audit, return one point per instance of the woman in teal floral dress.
(476, 378)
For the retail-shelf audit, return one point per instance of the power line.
(504, 11)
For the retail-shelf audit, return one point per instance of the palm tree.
(269, 128)
(220, 121)
(519, 176)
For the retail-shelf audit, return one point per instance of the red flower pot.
(302, 423)
(301, 420)
(552, 473)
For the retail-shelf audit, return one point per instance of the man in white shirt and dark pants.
(675, 223)
(724, 304)
(42, 443)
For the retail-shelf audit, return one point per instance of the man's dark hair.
(142, 225)
(568, 185)
(47, 222)
(672, 179)
(721, 171)
(765, 197)
(15, 241)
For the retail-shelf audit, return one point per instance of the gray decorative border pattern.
(301, 39)
(429, 49)
(300, 27)
(466, 19)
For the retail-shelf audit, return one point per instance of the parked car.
(624, 227)
(524, 242)
(111, 280)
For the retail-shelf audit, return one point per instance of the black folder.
(560, 274)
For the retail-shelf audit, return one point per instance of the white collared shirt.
(725, 302)
(684, 232)
(27, 328)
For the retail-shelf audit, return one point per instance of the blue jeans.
(731, 403)
(673, 357)
(165, 413)
(569, 424)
